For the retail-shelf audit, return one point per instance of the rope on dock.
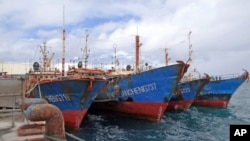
(68, 134)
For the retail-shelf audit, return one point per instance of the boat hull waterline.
(149, 111)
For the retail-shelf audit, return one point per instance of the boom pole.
(63, 45)
(86, 54)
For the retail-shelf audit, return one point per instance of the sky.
(219, 38)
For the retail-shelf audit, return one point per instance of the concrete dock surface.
(9, 129)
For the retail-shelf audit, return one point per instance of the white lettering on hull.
(57, 98)
(208, 90)
(139, 90)
(185, 90)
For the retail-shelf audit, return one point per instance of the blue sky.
(220, 37)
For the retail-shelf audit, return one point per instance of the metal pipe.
(52, 115)
(29, 101)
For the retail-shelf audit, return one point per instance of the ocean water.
(195, 124)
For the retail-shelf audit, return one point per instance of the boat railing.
(222, 77)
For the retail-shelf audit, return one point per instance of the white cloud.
(220, 36)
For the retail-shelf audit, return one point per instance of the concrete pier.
(41, 119)
(12, 134)
(8, 129)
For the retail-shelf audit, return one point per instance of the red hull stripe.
(147, 111)
(73, 119)
(180, 105)
(211, 103)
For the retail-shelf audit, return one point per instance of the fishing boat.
(72, 92)
(139, 94)
(218, 92)
(190, 85)
(185, 94)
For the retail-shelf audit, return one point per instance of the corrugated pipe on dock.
(40, 110)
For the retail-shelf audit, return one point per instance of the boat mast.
(115, 59)
(166, 56)
(137, 47)
(46, 60)
(63, 45)
(86, 54)
(190, 48)
(190, 55)
(44, 53)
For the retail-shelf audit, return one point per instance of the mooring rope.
(31, 89)
(39, 89)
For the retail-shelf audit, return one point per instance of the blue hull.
(188, 90)
(185, 94)
(69, 94)
(156, 85)
(143, 95)
(72, 97)
(217, 93)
